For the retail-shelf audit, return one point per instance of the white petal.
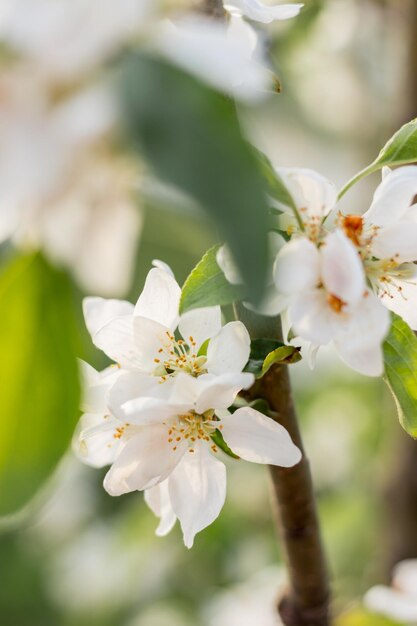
(94, 442)
(228, 266)
(219, 392)
(197, 489)
(146, 459)
(200, 324)
(297, 267)
(392, 603)
(311, 317)
(272, 305)
(314, 195)
(150, 337)
(129, 386)
(368, 360)
(362, 326)
(229, 350)
(404, 577)
(99, 311)
(260, 12)
(396, 241)
(116, 340)
(160, 298)
(401, 297)
(393, 196)
(163, 266)
(144, 411)
(157, 499)
(257, 438)
(342, 269)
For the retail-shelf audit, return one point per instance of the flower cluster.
(160, 417)
(338, 274)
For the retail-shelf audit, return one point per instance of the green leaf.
(191, 136)
(400, 150)
(400, 356)
(266, 352)
(39, 391)
(276, 188)
(207, 285)
(217, 438)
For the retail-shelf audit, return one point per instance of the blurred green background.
(349, 78)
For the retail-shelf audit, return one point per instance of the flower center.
(179, 356)
(335, 303)
(192, 427)
(353, 228)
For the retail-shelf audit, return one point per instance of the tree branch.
(213, 7)
(307, 601)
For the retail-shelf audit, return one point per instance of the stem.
(306, 603)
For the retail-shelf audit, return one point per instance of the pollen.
(353, 228)
(335, 303)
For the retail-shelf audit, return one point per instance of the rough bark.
(306, 603)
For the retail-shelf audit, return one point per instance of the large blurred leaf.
(207, 285)
(191, 136)
(276, 188)
(39, 390)
(400, 356)
(400, 150)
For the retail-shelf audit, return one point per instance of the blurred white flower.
(67, 38)
(228, 56)
(328, 300)
(398, 602)
(261, 12)
(251, 603)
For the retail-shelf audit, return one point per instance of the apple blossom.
(142, 337)
(260, 12)
(386, 237)
(329, 301)
(398, 602)
(165, 437)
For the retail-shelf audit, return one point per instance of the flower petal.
(116, 340)
(368, 360)
(131, 385)
(219, 392)
(228, 266)
(393, 196)
(200, 324)
(396, 241)
(259, 439)
(342, 269)
(197, 490)
(145, 460)
(362, 326)
(392, 603)
(311, 317)
(160, 298)
(260, 12)
(229, 350)
(157, 499)
(94, 441)
(297, 267)
(150, 337)
(401, 297)
(314, 195)
(99, 311)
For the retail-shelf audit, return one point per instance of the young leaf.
(39, 391)
(218, 439)
(191, 136)
(400, 356)
(266, 352)
(399, 150)
(207, 285)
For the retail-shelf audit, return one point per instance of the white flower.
(227, 56)
(314, 197)
(67, 38)
(329, 300)
(386, 236)
(398, 602)
(165, 434)
(260, 12)
(142, 337)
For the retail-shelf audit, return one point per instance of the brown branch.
(307, 601)
(213, 8)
